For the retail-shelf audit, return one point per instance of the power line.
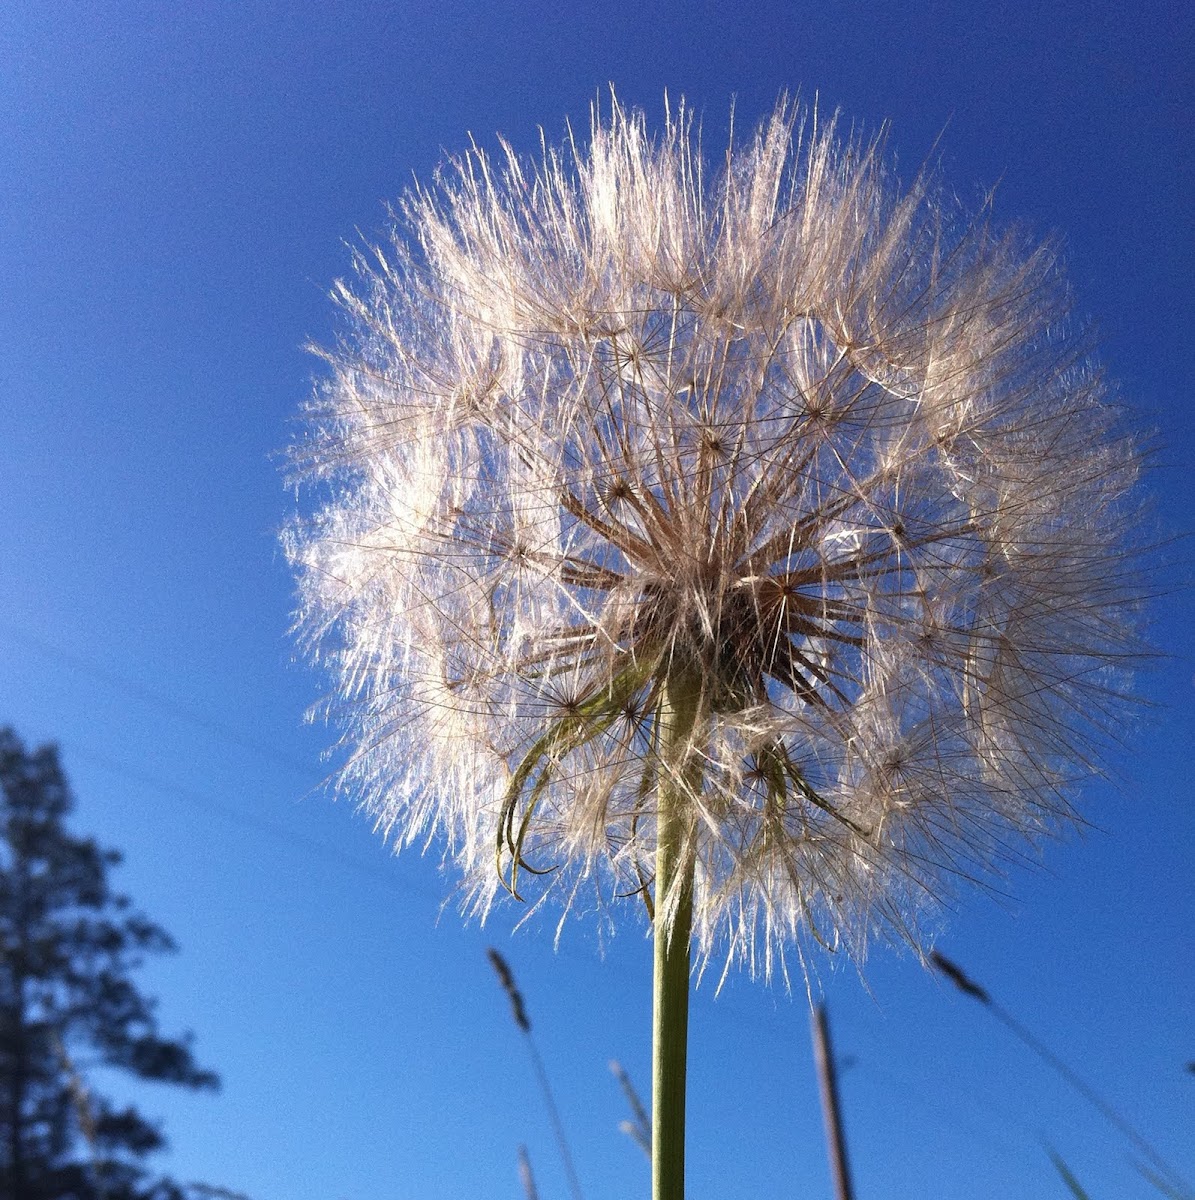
(223, 731)
(197, 800)
(155, 699)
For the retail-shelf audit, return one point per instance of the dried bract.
(821, 454)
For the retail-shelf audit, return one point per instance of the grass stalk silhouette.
(1169, 1180)
(518, 1010)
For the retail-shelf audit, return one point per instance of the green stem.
(674, 878)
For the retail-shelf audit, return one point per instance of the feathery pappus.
(819, 461)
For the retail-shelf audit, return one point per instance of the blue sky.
(178, 187)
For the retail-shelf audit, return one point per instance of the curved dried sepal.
(588, 719)
(777, 770)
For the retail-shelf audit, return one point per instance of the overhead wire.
(171, 707)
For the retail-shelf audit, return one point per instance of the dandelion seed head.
(827, 449)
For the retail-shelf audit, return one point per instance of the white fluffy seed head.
(828, 447)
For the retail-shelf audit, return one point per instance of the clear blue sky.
(177, 185)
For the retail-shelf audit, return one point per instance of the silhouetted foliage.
(67, 947)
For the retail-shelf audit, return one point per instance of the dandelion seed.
(758, 547)
(782, 516)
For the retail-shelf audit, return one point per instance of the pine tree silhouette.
(68, 945)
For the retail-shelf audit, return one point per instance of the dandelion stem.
(674, 924)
